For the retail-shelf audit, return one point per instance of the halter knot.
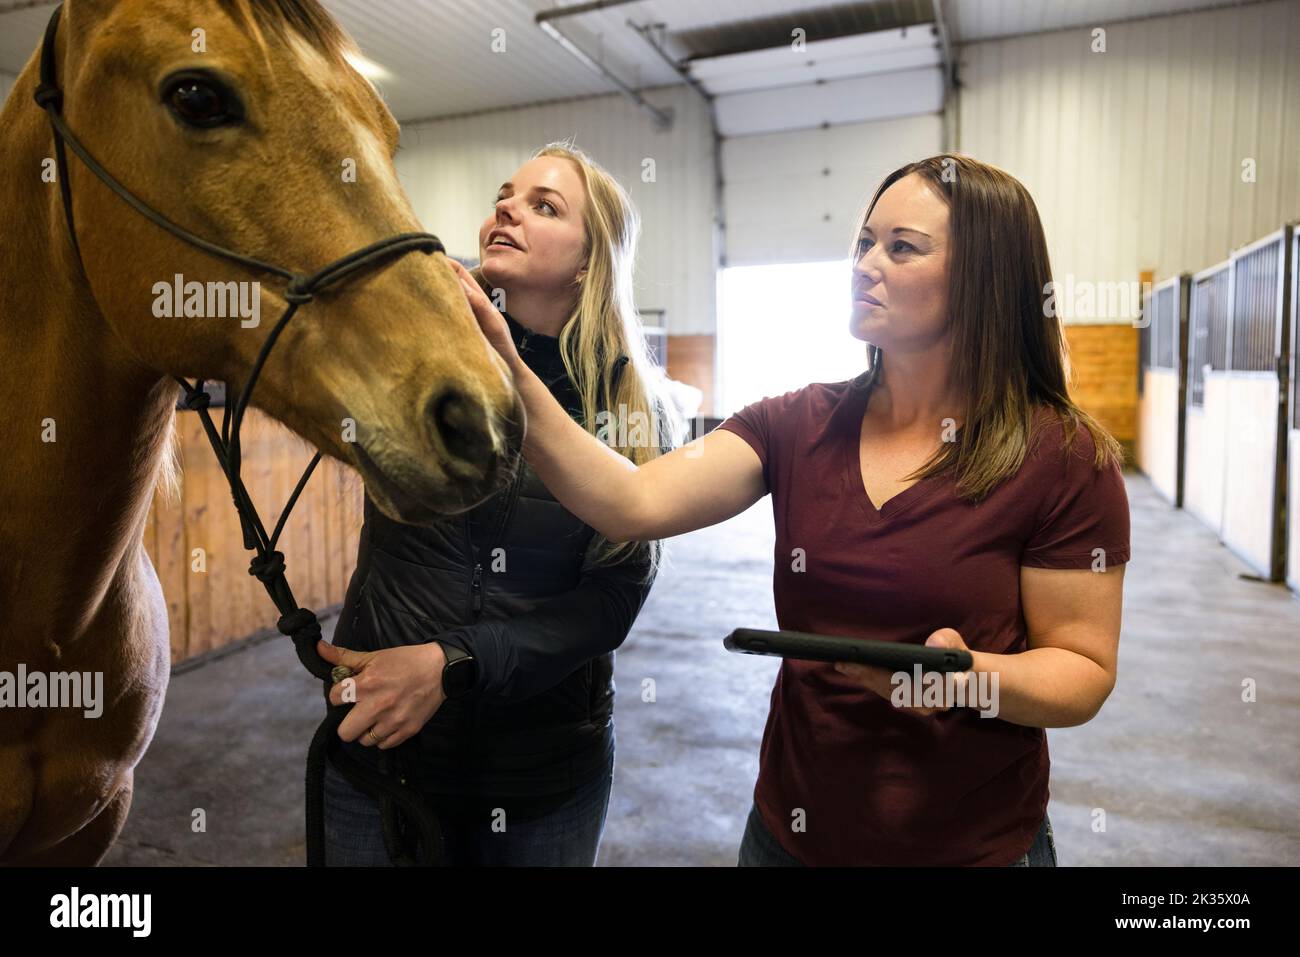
(47, 96)
(267, 568)
(196, 400)
(297, 291)
(302, 622)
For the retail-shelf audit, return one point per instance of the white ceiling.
(439, 55)
(850, 79)
(861, 54)
(973, 20)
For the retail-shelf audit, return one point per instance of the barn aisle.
(1186, 773)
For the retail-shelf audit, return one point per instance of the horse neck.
(75, 508)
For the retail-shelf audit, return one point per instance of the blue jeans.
(566, 837)
(758, 848)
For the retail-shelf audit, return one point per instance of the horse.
(239, 120)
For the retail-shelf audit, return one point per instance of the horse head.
(243, 123)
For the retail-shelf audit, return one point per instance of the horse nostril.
(461, 429)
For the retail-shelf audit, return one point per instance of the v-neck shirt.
(844, 776)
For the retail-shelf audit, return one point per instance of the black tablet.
(894, 655)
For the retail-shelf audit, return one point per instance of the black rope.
(411, 831)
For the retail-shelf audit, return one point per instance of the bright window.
(781, 327)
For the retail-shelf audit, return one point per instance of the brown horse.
(86, 366)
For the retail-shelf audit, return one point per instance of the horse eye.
(202, 102)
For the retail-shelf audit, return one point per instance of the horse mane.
(170, 467)
(306, 18)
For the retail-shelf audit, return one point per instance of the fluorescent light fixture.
(367, 68)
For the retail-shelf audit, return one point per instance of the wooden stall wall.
(1103, 365)
(690, 360)
(212, 601)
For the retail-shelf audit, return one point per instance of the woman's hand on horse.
(489, 319)
(877, 679)
(395, 690)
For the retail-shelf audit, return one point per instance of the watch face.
(458, 676)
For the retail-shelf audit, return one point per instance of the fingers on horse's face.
(535, 234)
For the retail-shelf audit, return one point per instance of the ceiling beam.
(663, 118)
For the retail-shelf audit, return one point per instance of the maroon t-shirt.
(878, 785)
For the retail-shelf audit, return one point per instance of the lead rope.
(412, 835)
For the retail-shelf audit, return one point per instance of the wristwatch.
(460, 673)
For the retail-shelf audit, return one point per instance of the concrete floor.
(1186, 773)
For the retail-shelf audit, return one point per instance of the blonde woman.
(484, 642)
(952, 494)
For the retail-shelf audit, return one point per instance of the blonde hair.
(604, 333)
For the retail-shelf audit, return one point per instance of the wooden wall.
(690, 360)
(224, 604)
(1103, 365)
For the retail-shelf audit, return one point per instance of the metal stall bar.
(1161, 407)
(1293, 437)
(1207, 415)
(1254, 518)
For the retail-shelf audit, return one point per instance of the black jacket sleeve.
(529, 653)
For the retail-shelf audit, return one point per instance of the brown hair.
(1009, 354)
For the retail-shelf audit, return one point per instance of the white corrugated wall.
(796, 197)
(1135, 155)
(452, 169)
